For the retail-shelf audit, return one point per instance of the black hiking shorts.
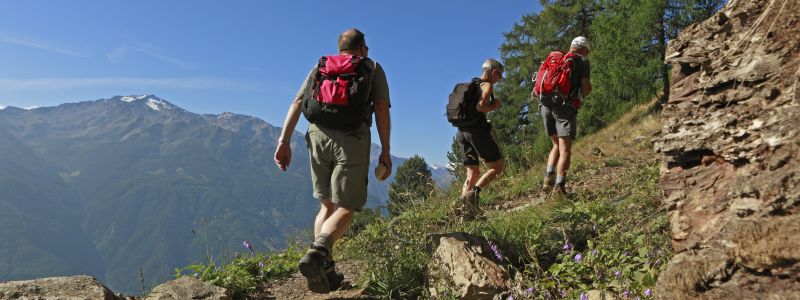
(477, 141)
(560, 120)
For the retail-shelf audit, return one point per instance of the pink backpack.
(339, 95)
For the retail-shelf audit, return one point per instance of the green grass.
(614, 212)
(245, 274)
(613, 220)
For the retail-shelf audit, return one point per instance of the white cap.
(580, 41)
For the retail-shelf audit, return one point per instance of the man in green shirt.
(339, 160)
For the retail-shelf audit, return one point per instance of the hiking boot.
(549, 182)
(472, 203)
(559, 192)
(335, 279)
(312, 267)
(463, 210)
(457, 207)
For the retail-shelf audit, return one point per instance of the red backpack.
(338, 96)
(553, 84)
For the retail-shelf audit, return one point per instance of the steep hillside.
(40, 217)
(730, 141)
(609, 236)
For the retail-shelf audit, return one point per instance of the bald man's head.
(351, 40)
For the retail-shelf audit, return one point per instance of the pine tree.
(413, 182)
(456, 164)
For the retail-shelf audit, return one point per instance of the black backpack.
(462, 110)
(337, 95)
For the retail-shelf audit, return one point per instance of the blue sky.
(248, 57)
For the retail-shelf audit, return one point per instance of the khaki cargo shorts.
(340, 164)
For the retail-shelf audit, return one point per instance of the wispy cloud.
(41, 45)
(117, 54)
(188, 83)
(120, 53)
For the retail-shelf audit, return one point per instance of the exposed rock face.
(74, 287)
(187, 288)
(730, 141)
(464, 266)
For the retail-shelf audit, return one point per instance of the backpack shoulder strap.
(369, 91)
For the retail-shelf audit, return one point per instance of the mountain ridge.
(152, 186)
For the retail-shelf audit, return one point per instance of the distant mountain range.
(112, 186)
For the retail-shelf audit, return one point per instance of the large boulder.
(730, 141)
(464, 266)
(74, 287)
(187, 288)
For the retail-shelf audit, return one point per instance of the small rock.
(187, 288)
(463, 266)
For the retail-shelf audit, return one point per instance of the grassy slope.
(613, 207)
(612, 218)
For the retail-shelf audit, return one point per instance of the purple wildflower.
(626, 294)
(617, 273)
(247, 245)
(658, 262)
(584, 297)
(648, 292)
(567, 247)
(578, 257)
(261, 264)
(530, 290)
(496, 251)
(594, 252)
(510, 298)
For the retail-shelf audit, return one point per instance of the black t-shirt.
(580, 70)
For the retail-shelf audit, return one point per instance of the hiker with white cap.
(559, 85)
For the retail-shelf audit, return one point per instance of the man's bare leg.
(496, 169)
(552, 160)
(473, 171)
(564, 155)
(325, 211)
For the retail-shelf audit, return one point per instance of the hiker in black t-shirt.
(560, 122)
(476, 141)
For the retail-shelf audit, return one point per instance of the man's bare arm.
(283, 153)
(586, 87)
(383, 121)
(483, 104)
